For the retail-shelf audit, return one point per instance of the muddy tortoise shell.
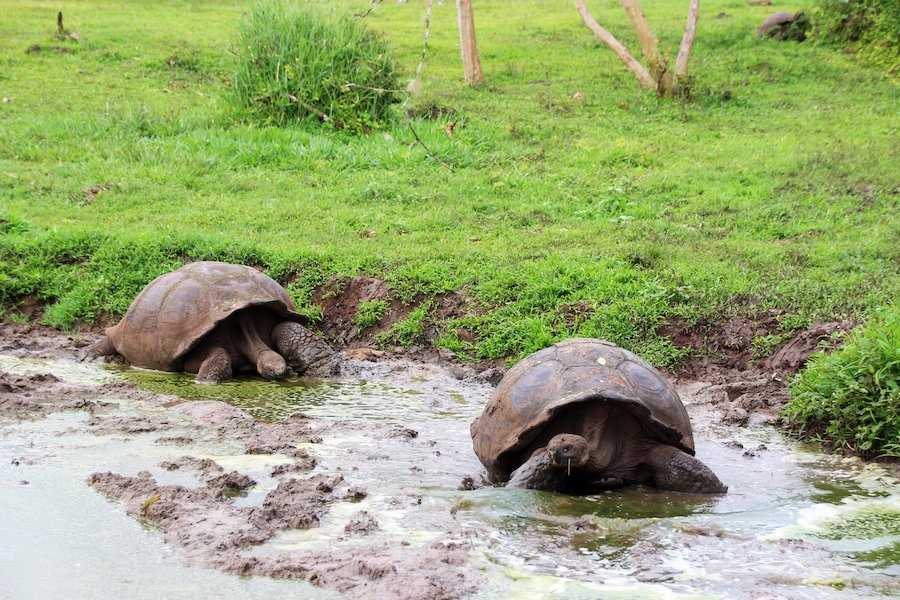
(573, 371)
(176, 310)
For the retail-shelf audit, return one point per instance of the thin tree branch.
(649, 45)
(415, 86)
(687, 42)
(428, 151)
(370, 10)
(642, 74)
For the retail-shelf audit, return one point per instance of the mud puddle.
(381, 455)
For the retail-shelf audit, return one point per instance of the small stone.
(399, 431)
(491, 376)
(467, 484)
(355, 493)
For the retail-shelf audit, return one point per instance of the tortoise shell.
(570, 372)
(776, 20)
(176, 310)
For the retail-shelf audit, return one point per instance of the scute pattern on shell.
(174, 311)
(576, 370)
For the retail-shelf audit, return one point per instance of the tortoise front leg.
(102, 347)
(303, 350)
(216, 366)
(681, 472)
(537, 473)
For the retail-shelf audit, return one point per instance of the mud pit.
(118, 482)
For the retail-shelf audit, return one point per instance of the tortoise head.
(568, 451)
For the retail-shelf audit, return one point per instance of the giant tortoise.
(585, 415)
(215, 319)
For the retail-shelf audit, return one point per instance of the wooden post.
(467, 45)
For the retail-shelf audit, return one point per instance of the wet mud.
(367, 487)
(203, 520)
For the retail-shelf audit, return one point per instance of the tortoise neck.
(253, 334)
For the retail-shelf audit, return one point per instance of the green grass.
(566, 202)
(869, 27)
(407, 331)
(369, 313)
(303, 62)
(851, 398)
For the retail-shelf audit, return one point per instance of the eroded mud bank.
(355, 487)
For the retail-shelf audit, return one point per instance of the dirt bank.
(742, 387)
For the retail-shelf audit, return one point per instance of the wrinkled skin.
(252, 340)
(599, 446)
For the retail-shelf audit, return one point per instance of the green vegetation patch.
(851, 398)
(871, 27)
(369, 313)
(297, 61)
(408, 331)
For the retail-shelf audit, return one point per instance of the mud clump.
(355, 493)
(197, 520)
(340, 300)
(10, 383)
(230, 423)
(132, 425)
(35, 396)
(175, 440)
(362, 523)
(205, 466)
(403, 433)
(792, 355)
(37, 340)
(297, 503)
(229, 484)
(434, 573)
(303, 461)
(213, 532)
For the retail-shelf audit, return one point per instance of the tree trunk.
(649, 46)
(467, 44)
(687, 41)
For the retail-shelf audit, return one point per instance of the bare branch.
(649, 46)
(687, 42)
(642, 74)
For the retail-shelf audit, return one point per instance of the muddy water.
(796, 523)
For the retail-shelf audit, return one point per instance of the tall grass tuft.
(298, 61)
(851, 398)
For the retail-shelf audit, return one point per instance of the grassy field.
(567, 201)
